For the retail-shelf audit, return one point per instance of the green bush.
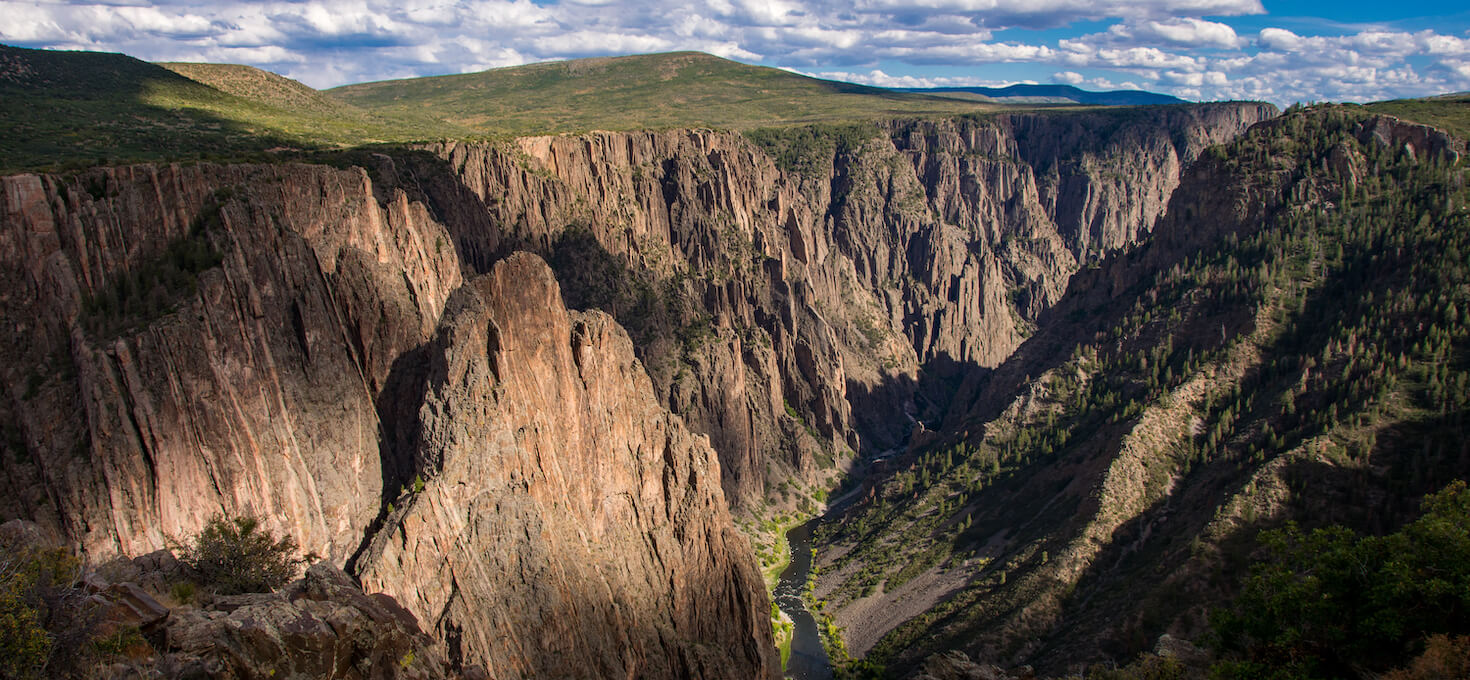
(184, 592)
(24, 644)
(235, 555)
(1146, 667)
(809, 150)
(45, 620)
(1330, 603)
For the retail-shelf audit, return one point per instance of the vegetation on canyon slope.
(1334, 604)
(233, 555)
(1328, 603)
(1311, 363)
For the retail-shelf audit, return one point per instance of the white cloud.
(587, 43)
(1184, 47)
(1185, 79)
(1280, 39)
(1036, 13)
(1364, 66)
(1084, 53)
(878, 78)
(1186, 32)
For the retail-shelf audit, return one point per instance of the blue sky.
(1283, 52)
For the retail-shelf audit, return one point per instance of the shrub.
(1443, 657)
(1146, 667)
(235, 555)
(24, 644)
(46, 621)
(1328, 603)
(183, 592)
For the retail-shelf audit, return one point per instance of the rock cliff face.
(188, 340)
(829, 308)
(558, 491)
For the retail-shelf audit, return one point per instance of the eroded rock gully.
(301, 342)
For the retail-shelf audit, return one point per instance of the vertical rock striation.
(568, 526)
(187, 340)
(834, 305)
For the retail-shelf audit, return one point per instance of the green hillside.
(72, 109)
(263, 87)
(682, 89)
(1449, 112)
(60, 109)
(1293, 344)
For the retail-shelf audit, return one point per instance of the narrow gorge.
(528, 388)
(1259, 362)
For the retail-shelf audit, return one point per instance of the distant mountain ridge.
(646, 91)
(1057, 94)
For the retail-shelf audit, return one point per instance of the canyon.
(1098, 495)
(378, 353)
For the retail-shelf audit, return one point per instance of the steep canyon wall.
(830, 306)
(188, 340)
(303, 341)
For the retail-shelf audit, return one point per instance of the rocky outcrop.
(321, 626)
(955, 665)
(568, 526)
(109, 621)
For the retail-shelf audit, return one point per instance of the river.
(808, 659)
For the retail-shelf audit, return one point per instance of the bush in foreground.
(234, 555)
(47, 623)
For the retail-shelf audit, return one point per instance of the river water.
(808, 659)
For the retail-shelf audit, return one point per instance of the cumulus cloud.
(1364, 66)
(878, 78)
(1280, 39)
(1054, 13)
(1086, 53)
(1184, 32)
(1185, 47)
